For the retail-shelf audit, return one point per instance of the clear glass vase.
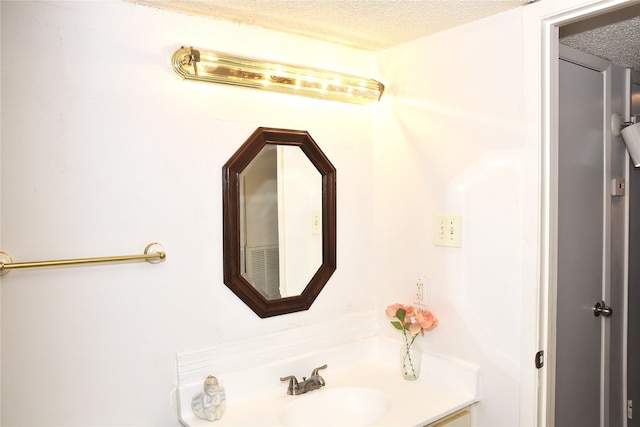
(410, 359)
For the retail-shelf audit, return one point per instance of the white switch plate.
(447, 231)
(315, 222)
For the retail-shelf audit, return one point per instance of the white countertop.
(256, 397)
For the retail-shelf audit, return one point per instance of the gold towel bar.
(153, 253)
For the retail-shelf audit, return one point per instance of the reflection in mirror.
(280, 221)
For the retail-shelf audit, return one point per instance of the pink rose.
(411, 312)
(426, 320)
(393, 309)
(415, 329)
(415, 320)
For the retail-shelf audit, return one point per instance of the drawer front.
(461, 418)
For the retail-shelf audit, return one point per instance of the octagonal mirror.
(279, 221)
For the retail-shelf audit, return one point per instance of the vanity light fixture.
(630, 132)
(195, 64)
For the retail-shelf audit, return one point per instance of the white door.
(633, 339)
(582, 195)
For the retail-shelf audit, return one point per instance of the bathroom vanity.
(363, 388)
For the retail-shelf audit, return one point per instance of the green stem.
(408, 352)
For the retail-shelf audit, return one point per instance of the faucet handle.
(293, 383)
(315, 371)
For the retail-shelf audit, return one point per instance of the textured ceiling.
(378, 24)
(614, 36)
(365, 24)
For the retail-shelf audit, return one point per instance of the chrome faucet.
(314, 382)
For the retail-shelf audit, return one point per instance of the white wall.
(451, 142)
(106, 149)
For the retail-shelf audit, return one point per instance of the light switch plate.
(316, 222)
(447, 230)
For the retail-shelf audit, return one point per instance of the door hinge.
(540, 359)
(630, 409)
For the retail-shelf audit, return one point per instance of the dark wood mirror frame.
(231, 221)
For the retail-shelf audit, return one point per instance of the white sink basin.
(341, 406)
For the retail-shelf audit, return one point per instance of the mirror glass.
(279, 221)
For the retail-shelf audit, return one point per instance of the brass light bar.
(194, 64)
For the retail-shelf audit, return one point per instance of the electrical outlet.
(420, 291)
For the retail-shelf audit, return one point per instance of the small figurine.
(209, 404)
